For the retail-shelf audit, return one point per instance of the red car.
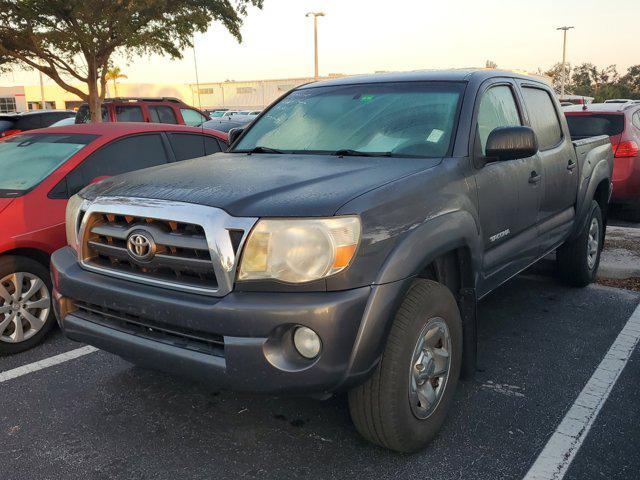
(621, 122)
(41, 170)
(147, 109)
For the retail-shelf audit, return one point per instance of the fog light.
(307, 342)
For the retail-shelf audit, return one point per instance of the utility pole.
(564, 58)
(42, 100)
(315, 16)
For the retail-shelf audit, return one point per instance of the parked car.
(217, 113)
(41, 170)
(342, 244)
(621, 122)
(64, 122)
(224, 126)
(621, 100)
(153, 110)
(246, 116)
(14, 123)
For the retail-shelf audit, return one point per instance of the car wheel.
(578, 259)
(26, 313)
(406, 400)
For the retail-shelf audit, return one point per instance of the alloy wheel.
(430, 368)
(25, 303)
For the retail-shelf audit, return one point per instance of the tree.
(114, 74)
(556, 73)
(632, 79)
(74, 40)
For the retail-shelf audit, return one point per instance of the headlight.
(299, 250)
(71, 220)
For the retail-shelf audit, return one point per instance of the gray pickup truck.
(341, 244)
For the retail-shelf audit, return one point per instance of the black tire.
(10, 264)
(380, 408)
(572, 256)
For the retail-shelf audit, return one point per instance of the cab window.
(543, 116)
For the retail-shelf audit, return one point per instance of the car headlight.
(299, 250)
(71, 220)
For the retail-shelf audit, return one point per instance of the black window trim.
(563, 137)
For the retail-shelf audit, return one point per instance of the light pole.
(315, 37)
(564, 58)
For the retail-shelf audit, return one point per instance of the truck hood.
(261, 185)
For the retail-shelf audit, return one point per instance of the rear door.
(508, 191)
(559, 182)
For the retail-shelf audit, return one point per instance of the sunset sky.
(363, 36)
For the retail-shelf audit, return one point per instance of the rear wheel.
(404, 403)
(578, 259)
(26, 315)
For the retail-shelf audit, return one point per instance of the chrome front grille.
(181, 255)
(194, 248)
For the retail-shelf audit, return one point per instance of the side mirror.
(234, 134)
(509, 143)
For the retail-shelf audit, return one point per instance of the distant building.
(237, 95)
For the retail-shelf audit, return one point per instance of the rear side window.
(191, 117)
(128, 113)
(497, 109)
(543, 116)
(593, 124)
(186, 145)
(162, 114)
(636, 120)
(120, 156)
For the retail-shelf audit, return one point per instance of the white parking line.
(554, 461)
(47, 362)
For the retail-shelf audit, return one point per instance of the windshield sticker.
(435, 136)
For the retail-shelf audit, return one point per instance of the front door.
(508, 191)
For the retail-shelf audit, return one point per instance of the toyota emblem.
(141, 246)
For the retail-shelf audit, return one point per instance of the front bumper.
(254, 328)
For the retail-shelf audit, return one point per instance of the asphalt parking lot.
(98, 417)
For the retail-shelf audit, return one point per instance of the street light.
(315, 16)
(564, 58)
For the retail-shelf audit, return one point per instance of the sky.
(365, 36)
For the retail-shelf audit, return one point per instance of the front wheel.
(578, 259)
(406, 400)
(26, 315)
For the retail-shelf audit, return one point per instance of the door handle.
(534, 178)
(571, 165)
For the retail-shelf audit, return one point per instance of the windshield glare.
(27, 159)
(403, 119)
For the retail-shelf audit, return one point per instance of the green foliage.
(588, 80)
(75, 39)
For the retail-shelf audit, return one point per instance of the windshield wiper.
(357, 153)
(264, 150)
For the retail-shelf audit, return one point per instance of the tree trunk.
(95, 102)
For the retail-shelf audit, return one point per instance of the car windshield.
(591, 125)
(414, 119)
(27, 159)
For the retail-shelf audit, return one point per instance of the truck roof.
(454, 75)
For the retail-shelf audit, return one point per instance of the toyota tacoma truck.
(341, 244)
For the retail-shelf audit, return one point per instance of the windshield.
(591, 125)
(399, 119)
(27, 159)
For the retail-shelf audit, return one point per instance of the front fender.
(437, 235)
